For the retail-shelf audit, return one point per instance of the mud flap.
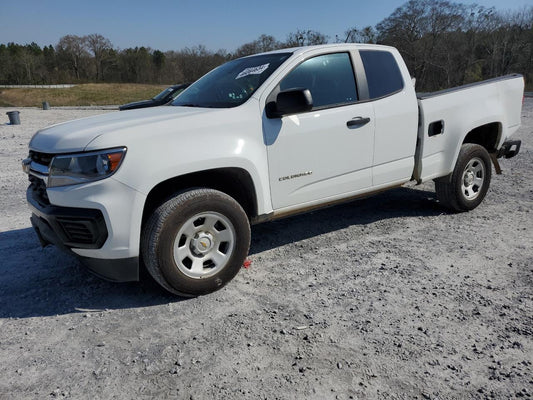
(494, 158)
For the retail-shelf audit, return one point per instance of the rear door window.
(382, 73)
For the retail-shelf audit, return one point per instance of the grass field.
(91, 94)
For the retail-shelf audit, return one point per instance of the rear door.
(396, 115)
(327, 152)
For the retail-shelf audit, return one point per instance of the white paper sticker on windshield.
(253, 71)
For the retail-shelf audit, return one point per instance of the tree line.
(444, 44)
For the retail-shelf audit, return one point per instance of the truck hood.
(74, 136)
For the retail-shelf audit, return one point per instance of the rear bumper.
(79, 228)
(509, 149)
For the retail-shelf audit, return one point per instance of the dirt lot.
(386, 298)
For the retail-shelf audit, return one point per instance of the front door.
(327, 152)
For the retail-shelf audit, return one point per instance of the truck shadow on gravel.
(401, 202)
(38, 282)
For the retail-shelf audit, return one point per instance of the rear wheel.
(465, 188)
(196, 242)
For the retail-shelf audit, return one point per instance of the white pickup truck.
(261, 137)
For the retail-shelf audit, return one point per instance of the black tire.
(195, 242)
(465, 188)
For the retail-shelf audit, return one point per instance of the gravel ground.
(386, 298)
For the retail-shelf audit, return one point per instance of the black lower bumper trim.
(118, 270)
(70, 227)
(81, 228)
(45, 233)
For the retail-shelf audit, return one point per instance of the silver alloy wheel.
(473, 178)
(204, 245)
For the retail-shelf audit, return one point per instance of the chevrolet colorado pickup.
(261, 137)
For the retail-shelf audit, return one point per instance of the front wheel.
(465, 188)
(196, 242)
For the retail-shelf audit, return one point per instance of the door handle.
(357, 121)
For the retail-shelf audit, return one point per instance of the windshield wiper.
(190, 105)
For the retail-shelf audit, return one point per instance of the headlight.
(73, 169)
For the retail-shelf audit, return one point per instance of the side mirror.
(290, 101)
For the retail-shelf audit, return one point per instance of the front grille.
(41, 158)
(70, 227)
(79, 231)
(38, 187)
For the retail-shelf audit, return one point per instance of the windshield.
(231, 84)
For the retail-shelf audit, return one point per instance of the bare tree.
(72, 49)
(99, 46)
(419, 29)
(196, 61)
(305, 38)
(366, 35)
(443, 43)
(262, 44)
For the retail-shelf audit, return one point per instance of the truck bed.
(491, 107)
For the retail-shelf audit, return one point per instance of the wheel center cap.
(469, 178)
(202, 243)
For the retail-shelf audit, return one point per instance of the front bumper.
(67, 227)
(87, 232)
(118, 270)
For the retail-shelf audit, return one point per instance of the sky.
(173, 25)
